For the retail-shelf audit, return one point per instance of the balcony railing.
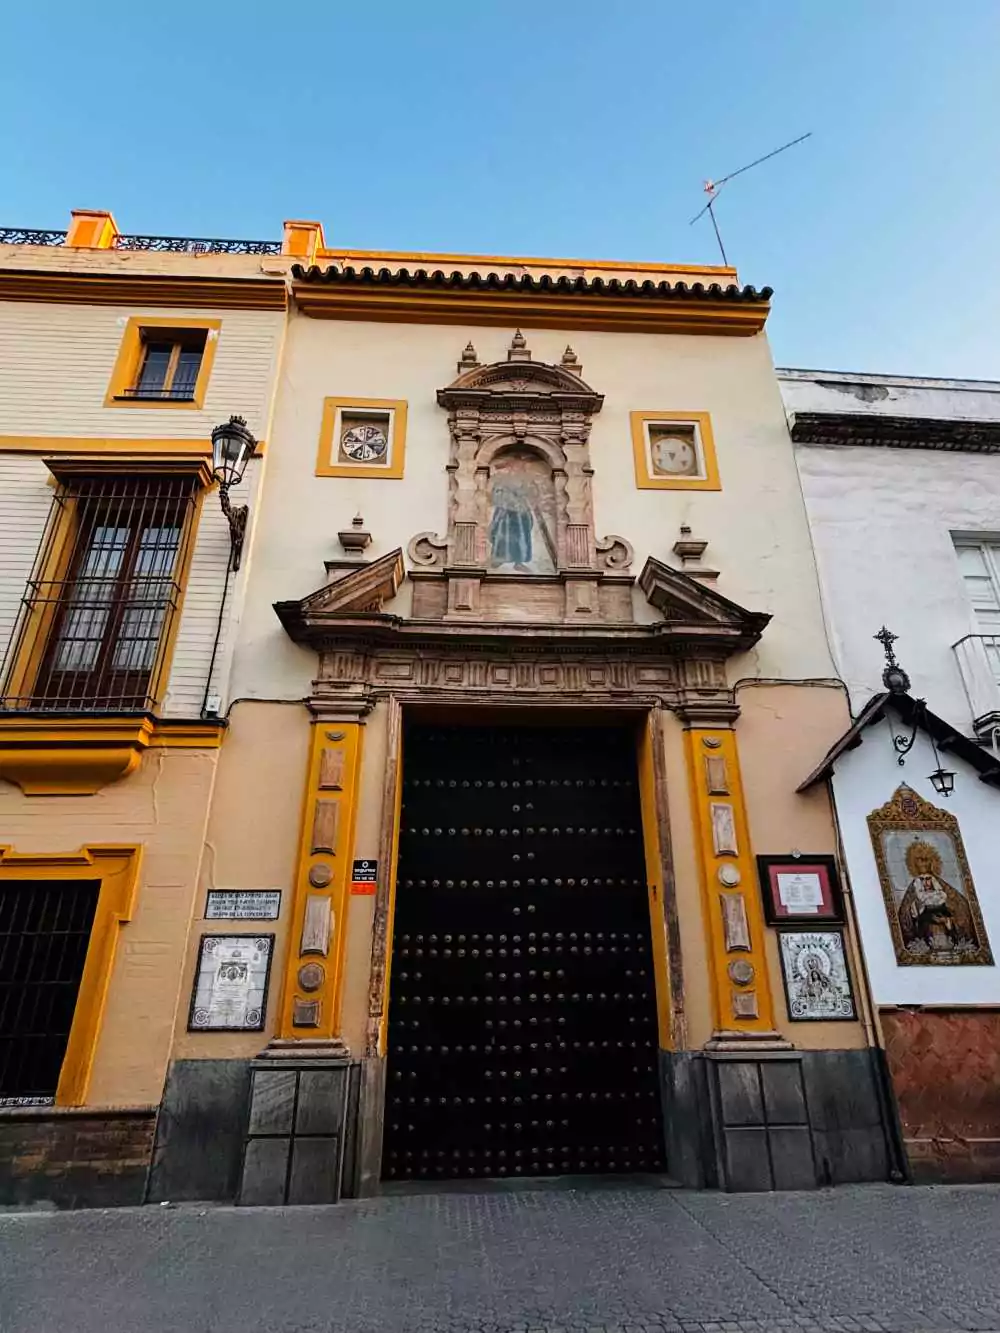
(189, 245)
(978, 657)
(181, 245)
(30, 236)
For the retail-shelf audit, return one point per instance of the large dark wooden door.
(522, 1015)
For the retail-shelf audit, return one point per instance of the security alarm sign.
(364, 877)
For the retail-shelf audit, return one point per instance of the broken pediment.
(683, 600)
(358, 591)
(520, 383)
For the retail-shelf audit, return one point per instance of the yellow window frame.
(117, 867)
(702, 422)
(333, 408)
(129, 361)
(23, 672)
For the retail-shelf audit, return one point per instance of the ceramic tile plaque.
(230, 985)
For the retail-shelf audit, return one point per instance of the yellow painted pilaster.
(733, 917)
(303, 239)
(314, 974)
(92, 229)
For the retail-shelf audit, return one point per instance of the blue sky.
(557, 127)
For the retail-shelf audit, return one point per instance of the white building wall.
(864, 780)
(883, 521)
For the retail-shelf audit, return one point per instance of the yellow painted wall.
(164, 806)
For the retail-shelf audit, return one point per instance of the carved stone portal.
(520, 543)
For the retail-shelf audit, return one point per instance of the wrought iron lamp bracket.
(236, 516)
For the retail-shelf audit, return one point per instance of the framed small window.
(674, 451)
(163, 364)
(362, 437)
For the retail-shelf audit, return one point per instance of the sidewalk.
(854, 1260)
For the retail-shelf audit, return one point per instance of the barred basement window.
(44, 935)
(97, 614)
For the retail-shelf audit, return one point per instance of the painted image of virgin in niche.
(522, 514)
(933, 909)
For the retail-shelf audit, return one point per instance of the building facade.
(120, 355)
(495, 863)
(901, 478)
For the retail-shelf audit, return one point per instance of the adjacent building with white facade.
(901, 478)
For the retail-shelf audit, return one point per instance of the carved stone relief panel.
(520, 502)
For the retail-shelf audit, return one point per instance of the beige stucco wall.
(251, 842)
(783, 732)
(755, 525)
(163, 806)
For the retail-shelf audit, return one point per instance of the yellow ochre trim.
(79, 756)
(127, 363)
(529, 309)
(645, 481)
(135, 445)
(144, 289)
(722, 746)
(117, 866)
(407, 258)
(393, 471)
(339, 803)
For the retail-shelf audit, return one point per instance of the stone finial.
(468, 360)
(518, 348)
(570, 361)
(355, 539)
(689, 551)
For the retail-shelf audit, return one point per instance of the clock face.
(674, 456)
(364, 444)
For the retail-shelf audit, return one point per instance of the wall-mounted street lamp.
(897, 683)
(232, 445)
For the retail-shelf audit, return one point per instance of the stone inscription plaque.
(243, 905)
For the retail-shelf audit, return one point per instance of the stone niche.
(520, 544)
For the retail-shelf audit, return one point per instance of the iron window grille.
(98, 609)
(45, 931)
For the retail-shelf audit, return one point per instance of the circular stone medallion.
(729, 876)
(320, 876)
(312, 976)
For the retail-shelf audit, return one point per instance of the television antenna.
(712, 188)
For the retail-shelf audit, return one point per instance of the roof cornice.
(148, 289)
(950, 435)
(435, 296)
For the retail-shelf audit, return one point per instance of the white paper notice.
(800, 893)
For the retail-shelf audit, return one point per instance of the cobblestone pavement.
(582, 1259)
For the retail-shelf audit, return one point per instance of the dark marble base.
(200, 1131)
(296, 1131)
(777, 1120)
